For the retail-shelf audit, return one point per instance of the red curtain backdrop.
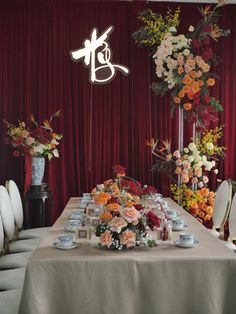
(102, 125)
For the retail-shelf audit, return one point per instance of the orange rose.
(195, 88)
(209, 210)
(193, 74)
(106, 216)
(117, 224)
(113, 207)
(129, 204)
(200, 83)
(187, 80)
(188, 193)
(180, 70)
(106, 238)
(102, 198)
(181, 94)
(207, 218)
(210, 81)
(130, 214)
(176, 100)
(204, 191)
(186, 89)
(201, 214)
(190, 95)
(128, 238)
(187, 106)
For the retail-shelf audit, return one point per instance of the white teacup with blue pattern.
(186, 238)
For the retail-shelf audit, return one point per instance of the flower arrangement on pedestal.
(42, 141)
(184, 61)
(124, 221)
(192, 166)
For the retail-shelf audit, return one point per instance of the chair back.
(7, 213)
(222, 205)
(1, 236)
(232, 219)
(16, 203)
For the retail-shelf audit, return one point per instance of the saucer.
(180, 229)
(63, 247)
(195, 243)
(70, 229)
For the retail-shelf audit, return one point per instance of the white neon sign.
(97, 55)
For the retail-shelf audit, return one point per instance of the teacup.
(186, 238)
(177, 223)
(77, 214)
(171, 213)
(73, 224)
(86, 196)
(65, 240)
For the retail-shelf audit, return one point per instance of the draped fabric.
(102, 125)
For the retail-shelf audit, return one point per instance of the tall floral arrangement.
(38, 141)
(184, 61)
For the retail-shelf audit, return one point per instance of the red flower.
(207, 54)
(149, 190)
(207, 29)
(118, 169)
(16, 153)
(18, 141)
(152, 220)
(139, 207)
(41, 135)
(113, 200)
(206, 41)
(131, 187)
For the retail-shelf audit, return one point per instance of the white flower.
(205, 179)
(213, 163)
(172, 29)
(186, 150)
(216, 171)
(54, 141)
(176, 154)
(39, 149)
(191, 28)
(200, 185)
(192, 146)
(55, 153)
(210, 146)
(186, 52)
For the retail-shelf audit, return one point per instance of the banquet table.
(164, 279)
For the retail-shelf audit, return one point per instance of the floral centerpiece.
(184, 61)
(198, 203)
(41, 141)
(123, 221)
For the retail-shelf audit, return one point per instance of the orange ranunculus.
(204, 191)
(129, 204)
(180, 70)
(187, 106)
(200, 83)
(188, 193)
(195, 88)
(210, 81)
(202, 206)
(193, 74)
(209, 210)
(176, 100)
(201, 214)
(106, 216)
(187, 80)
(186, 89)
(113, 207)
(102, 198)
(190, 95)
(181, 94)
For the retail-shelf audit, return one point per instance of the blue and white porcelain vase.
(38, 167)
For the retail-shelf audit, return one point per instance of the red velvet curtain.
(102, 125)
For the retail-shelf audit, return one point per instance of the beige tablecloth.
(161, 280)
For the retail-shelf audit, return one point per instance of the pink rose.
(130, 214)
(117, 224)
(106, 238)
(128, 238)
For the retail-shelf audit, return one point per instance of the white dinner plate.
(63, 247)
(195, 243)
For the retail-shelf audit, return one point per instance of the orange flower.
(210, 81)
(129, 204)
(176, 100)
(186, 89)
(106, 238)
(113, 207)
(187, 80)
(209, 210)
(180, 70)
(200, 83)
(106, 216)
(188, 193)
(195, 87)
(190, 95)
(201, 214)
(204, 191)
(181, 94)
(207, 218)
(193, 74)
(187, 106)
(102, 198)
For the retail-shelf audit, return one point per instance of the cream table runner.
(161, 280)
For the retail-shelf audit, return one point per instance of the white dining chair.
(221, 208)
(8, 222)
(232, 225)
(10, 301)
(19, 216)
(10, 261)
